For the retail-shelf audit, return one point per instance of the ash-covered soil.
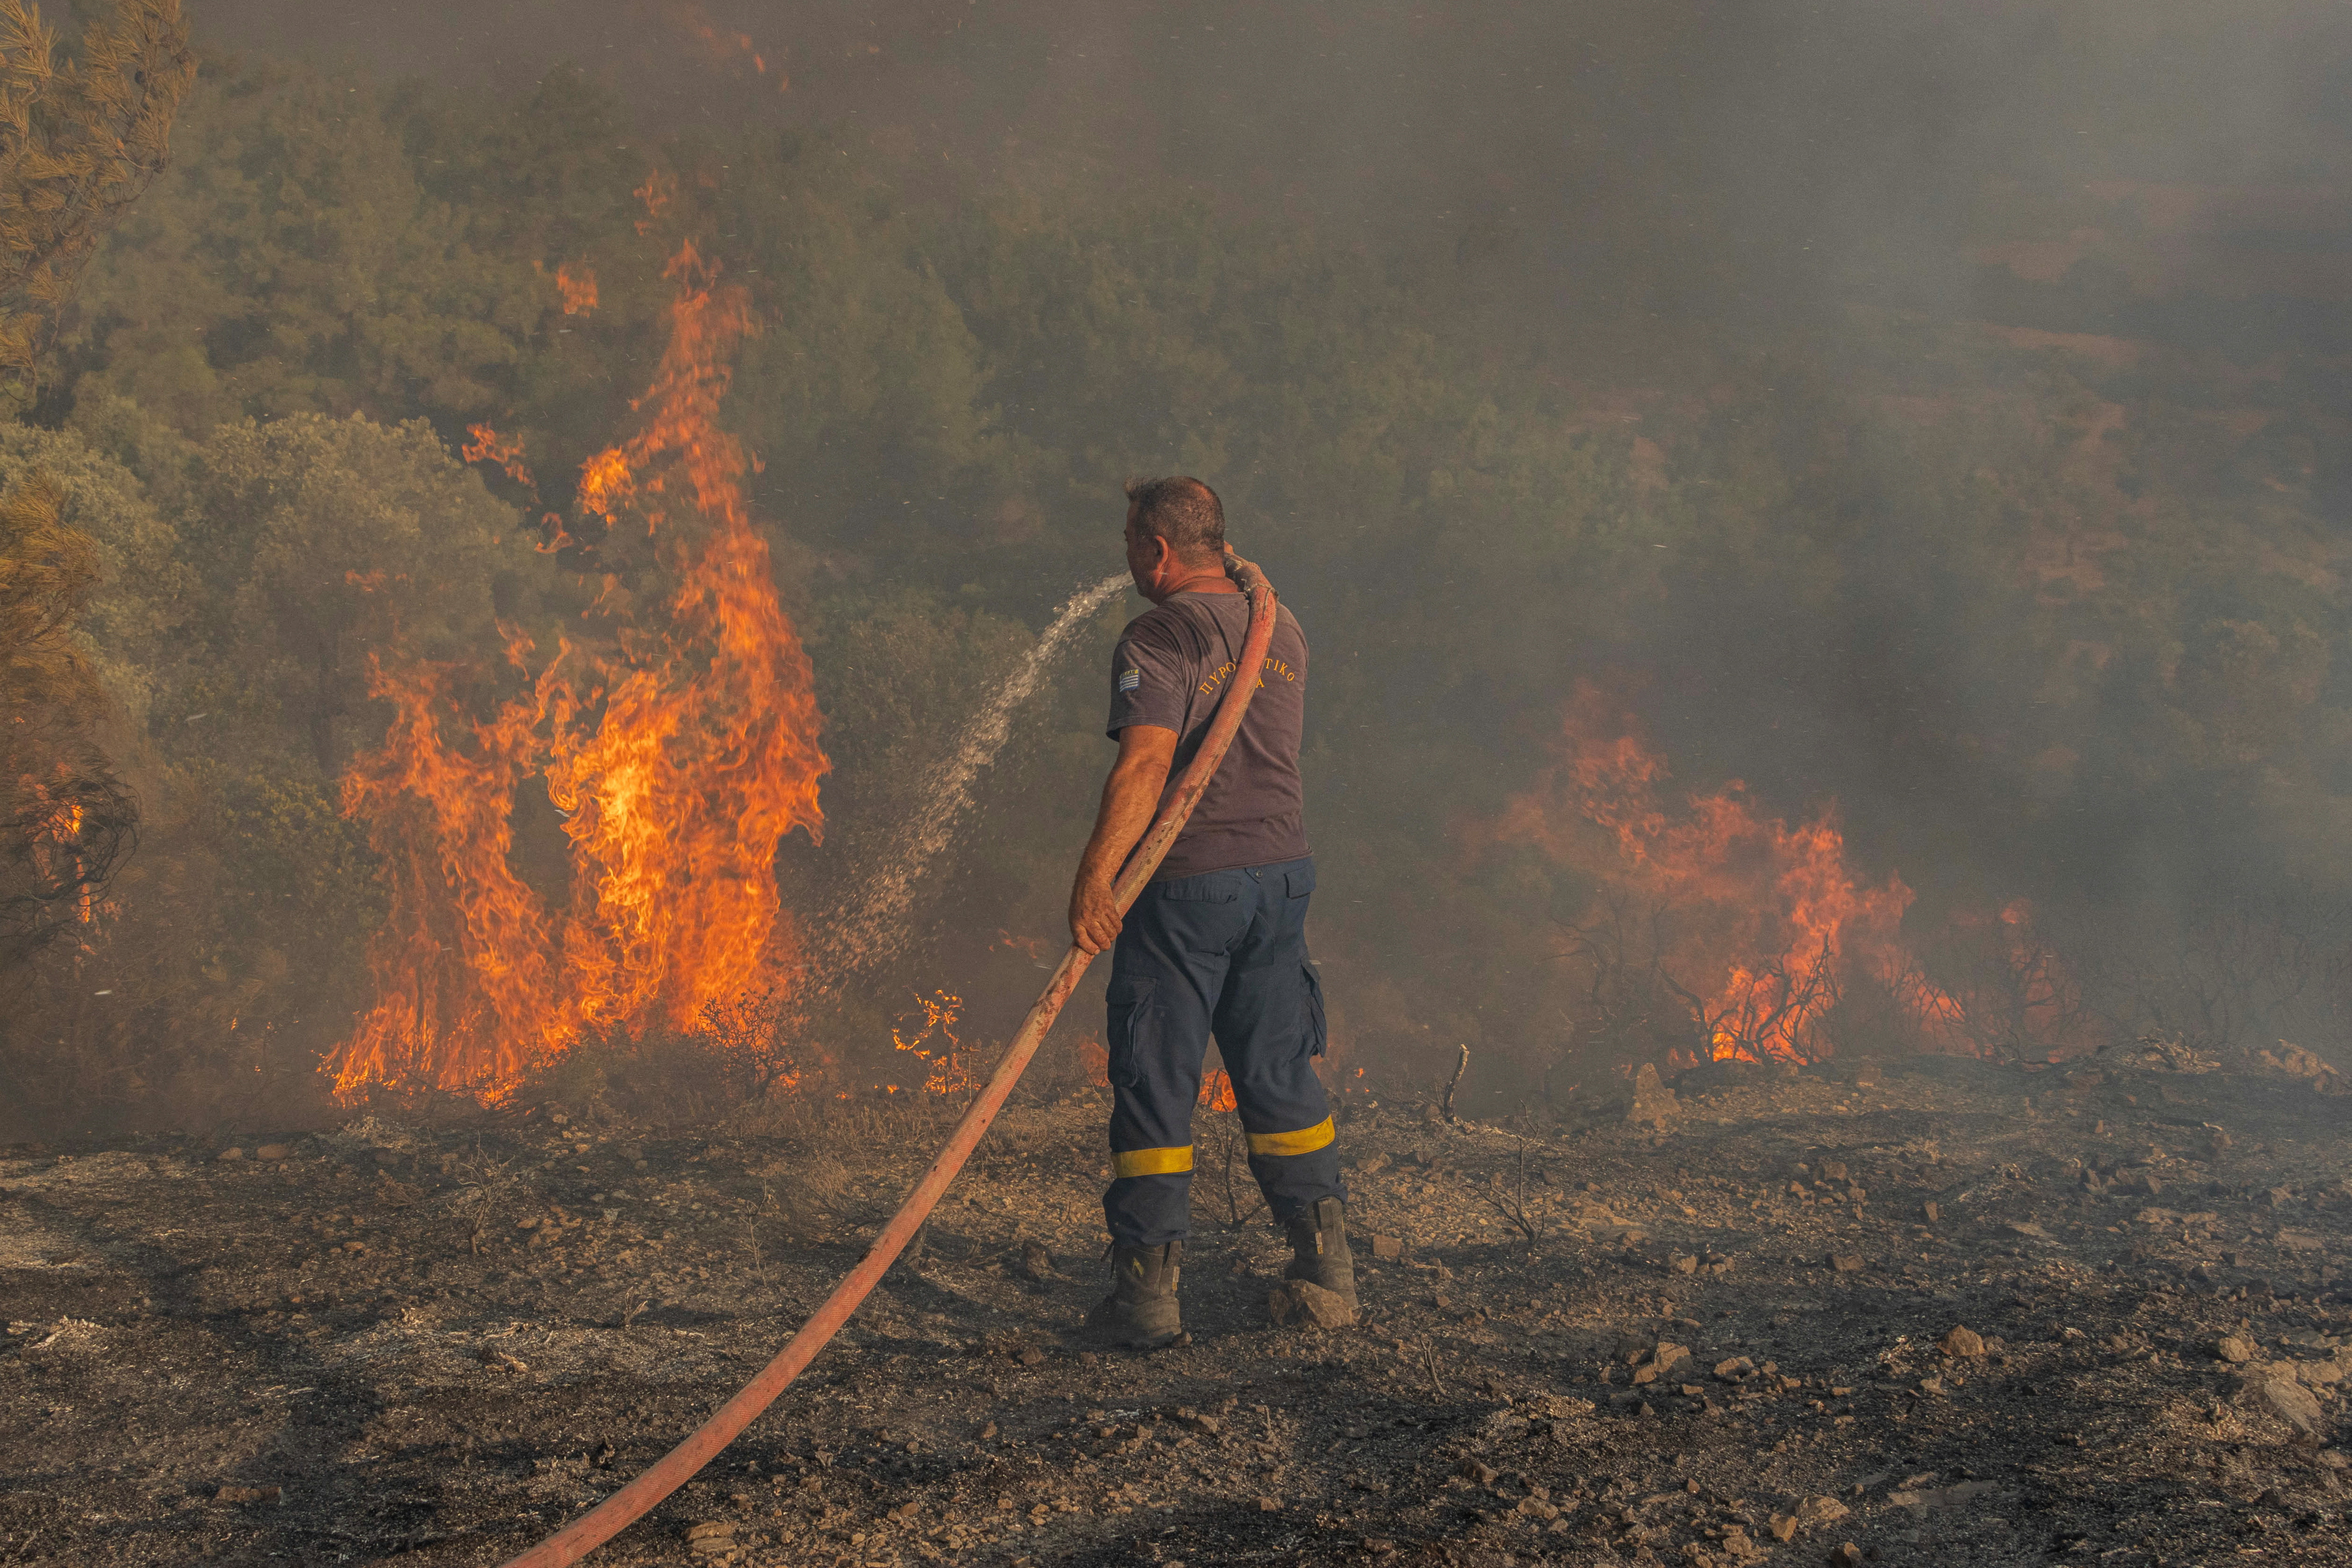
(1964, 1315)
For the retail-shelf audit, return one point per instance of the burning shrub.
(751, 1032)
(1713, 931)
(66, 820)
(934, 1042)
(680, 753)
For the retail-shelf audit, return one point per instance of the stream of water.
(874, 926)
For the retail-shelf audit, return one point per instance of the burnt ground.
(431, 1343)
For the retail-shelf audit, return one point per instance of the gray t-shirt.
(1169, 671)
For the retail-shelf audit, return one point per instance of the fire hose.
(633, 1501)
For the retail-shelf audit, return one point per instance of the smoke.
(1636, 158)
(1926, 417)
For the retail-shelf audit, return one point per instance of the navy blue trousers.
(1223, 952)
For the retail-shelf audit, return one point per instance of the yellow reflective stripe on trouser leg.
(1304, 1141)
(1152, 1162)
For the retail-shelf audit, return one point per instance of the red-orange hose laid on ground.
(624, 1506)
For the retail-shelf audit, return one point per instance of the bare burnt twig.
(1460, 1066)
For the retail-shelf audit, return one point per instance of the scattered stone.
(1682, 1263)
(1739, 1369)
(1309, 1305)
(274, 1152)
(1921, 1499)
(1739, 1545)
(1962, 1341)
(1932, 1211)
(1598, 1223)
(1848, 1555)
(1820, 1510)
(1782, 1526)
(1388, 1249)
(232, 1155)
(1536, 1508)
(2290, 1401)
(1036, 1263)
(1476, 1471)
(1655, 1104)
(1845, 1262)
(1269, 1505)
(1660, 1361)
(1031, 1356)
(2292, 1062)
(2236, 1349)
(248, 1494)
(711, 1529)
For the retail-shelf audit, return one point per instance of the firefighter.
(1217, 941)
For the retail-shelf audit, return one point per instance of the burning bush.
(1713, 931)
(66, 820)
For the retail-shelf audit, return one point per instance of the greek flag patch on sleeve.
(1129, 679)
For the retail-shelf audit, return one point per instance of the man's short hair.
(1184, 512)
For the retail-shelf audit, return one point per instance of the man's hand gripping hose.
(633, 1501)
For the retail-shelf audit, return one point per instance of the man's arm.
(1130, 795)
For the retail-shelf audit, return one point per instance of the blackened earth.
(434, 1342)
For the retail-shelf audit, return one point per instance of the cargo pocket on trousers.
(1134, 1009)
(1317, 1032)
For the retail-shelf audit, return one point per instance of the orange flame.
(1035, 948)
(680, 763)
(50, 840)
(936, 1044)
(704, 763)
(463, 966)
(578, 288)
(1217, 1090)
(1774, 912)
(724, 46)
(489, 446)
(658, 190)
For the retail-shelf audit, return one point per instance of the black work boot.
(1141, 1309)
(1319, 1238)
